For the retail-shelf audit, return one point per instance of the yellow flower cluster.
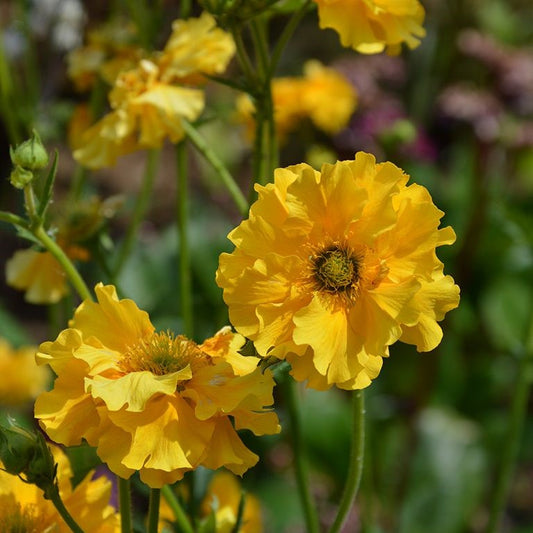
(149, 101)
(23, 507)
(22, 380)
(371, 26)
(322, 94)
(333, 267)
(150, 401)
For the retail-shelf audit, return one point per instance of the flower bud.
(20, 177)
(31, 154)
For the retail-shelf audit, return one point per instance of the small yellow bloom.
(22, 380)
(24, 508)
(151, 401)
(371, 26)
(333, 267)
(322, 94)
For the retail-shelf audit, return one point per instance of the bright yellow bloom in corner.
(222, 498)
(151, 401)
(333, 267)
(371, 26)
(22, 380)
(23, 507)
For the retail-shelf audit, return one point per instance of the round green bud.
(20, 177)
(31, 154)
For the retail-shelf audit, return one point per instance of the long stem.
(153, 510)
(201, 145)
(124, 497)
(355, 468)
(10, 218)
(70, 270)
(300, 457)
(182, 210)
(183, 521)
(62, 510)
(514, 433)
(141, 206)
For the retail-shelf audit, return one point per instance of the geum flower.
(150, 401)
(333, 267)
(371, 26)
(149, 102)
(23, 507)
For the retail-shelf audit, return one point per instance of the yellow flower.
(222, 498)
(151, 401)
(323, 95)
(24, 508)
(371, 26)
(333, 267)
(22, 380)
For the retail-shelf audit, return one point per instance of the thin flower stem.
(514, 433)
(300, 457)
(141, 206)
(8, 103)
(355, 468)
(124, 498)
(182, 210)
(184, 525)
(242, 56)
(10, 218)
(227, 179)
(62, 510)
(185, 8)
(153, 510)
(70, 270)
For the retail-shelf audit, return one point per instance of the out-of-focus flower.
(333, 267)
(22, 379)
(151, 401)
(222, 499)
(371, 26)
(323, 95)
(149, 101)
(24, 508)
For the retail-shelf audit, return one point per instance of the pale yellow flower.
(371, 26)
(333, 267)
(151, 401)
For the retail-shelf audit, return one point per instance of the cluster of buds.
(27, 158)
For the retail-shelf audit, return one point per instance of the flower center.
(335, 269)
(162, 353)
(15, 518)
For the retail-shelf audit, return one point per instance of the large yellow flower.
(22, 380)
(23, 507)
(333, 267)
(151, 401)
(371, 26)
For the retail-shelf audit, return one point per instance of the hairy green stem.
(153, 510)
(227, 179)
(355, 468)
(182, 210)
(124, 499)
(139, 211)
(184, 524)
(62, 510)
(300, 456)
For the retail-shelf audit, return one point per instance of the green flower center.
(335, 269)
(162, 353)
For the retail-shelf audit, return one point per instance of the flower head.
(24, 508)
(371, 26)
(333, 267)
(22, 380)
(151, 401)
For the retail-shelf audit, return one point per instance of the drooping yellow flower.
(222, 498)
(23, 507)
(149, 102)
(371, 26)
(22, 380)
(322, 94)
(333, 267)
(151, 401)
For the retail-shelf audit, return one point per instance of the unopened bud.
(20, 177)
(31, 154)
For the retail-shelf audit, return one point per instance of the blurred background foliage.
(457, 115)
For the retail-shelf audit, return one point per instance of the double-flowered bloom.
(150, 401)
(333, 267)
